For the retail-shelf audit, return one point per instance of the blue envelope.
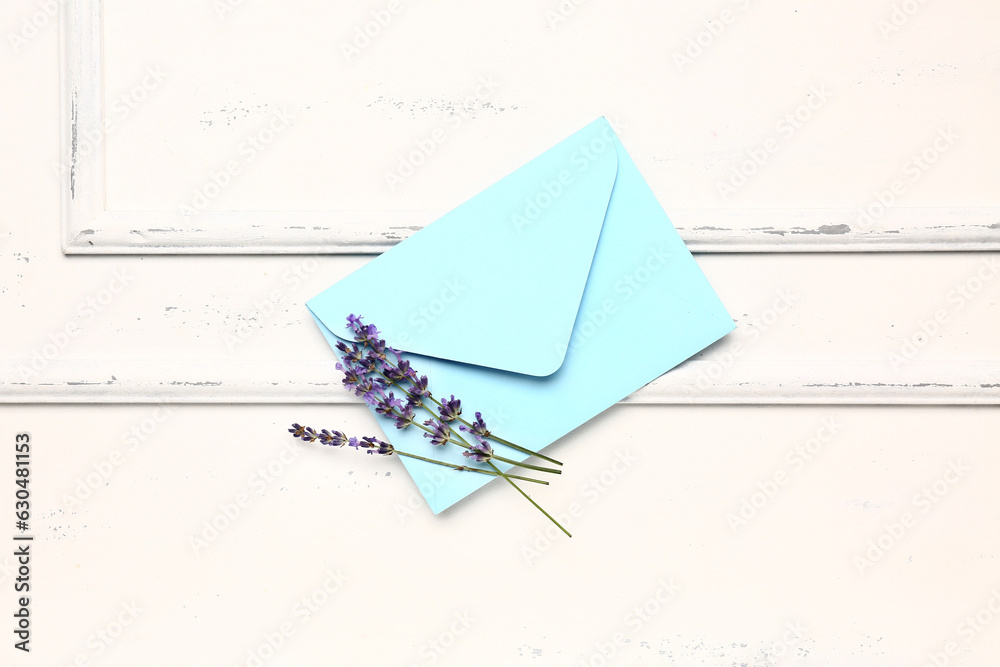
(541, 302)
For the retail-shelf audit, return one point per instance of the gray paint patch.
(834, 229)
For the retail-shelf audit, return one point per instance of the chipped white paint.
(785, 383)
(751, 230)
(81, 172)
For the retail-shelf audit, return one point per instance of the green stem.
(509, 480)
(489, 462)
(458, 467)
(465, 444)
(530, 466)
(519, 490)
(523, 450)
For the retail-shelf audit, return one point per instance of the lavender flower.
(352, 354)
(481, 451)
(450, 410)
(371, 398)
(406, 370)
(405, 417)
(369, 373)
(477, 428)
(353, 377)
(368, 363)
(364, 386)
(414, 402)
(440, 433)
(393, 372)
(366, 334)
(387, 405)
(332, 438)
(419, 387)
(376, 446)
(325, 437)
(378, 349)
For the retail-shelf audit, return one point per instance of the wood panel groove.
(770, 383)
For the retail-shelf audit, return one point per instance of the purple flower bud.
(368, 364)
(387, 405)
(352, 354)
(353, 376)
(406, 370)
(478, 427)
(392, 372)
(480, 451)
(405, 417)
(376, 446)
(338, 439)
(354, 322)
(440, 434)
(372, 398)
(450, 409)
(366, 334)
(378, 349)
(419, 387)
(332, 438)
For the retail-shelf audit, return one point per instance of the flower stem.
(507, 478)
(488, 462)
(465, 445)
(462, 442)
(530, 466)
(519, 490)
(523, 450)
(471, 469)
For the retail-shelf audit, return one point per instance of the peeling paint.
(879, 384)
(74, 116)
(834, 229)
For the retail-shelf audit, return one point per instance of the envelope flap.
(496, 282)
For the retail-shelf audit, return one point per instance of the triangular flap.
(496, 282)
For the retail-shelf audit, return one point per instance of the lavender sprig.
(372, 390)
(396, 373)
(376, 446)
(436, 429)
(376, 361)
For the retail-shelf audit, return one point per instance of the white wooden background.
(124, 350)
